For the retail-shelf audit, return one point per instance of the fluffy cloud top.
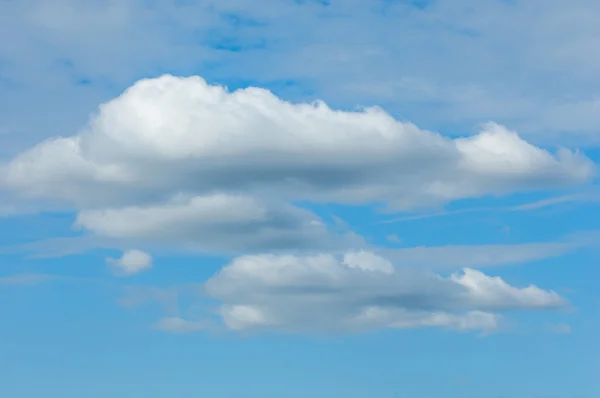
(170, 135)
(179, 160)
(131, 262)
(361, 291)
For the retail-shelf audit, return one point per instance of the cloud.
(361, 291)
(445, 257)
(179, 162)
(178, 159)
(585, 197)
(169, 300)
(582, 197)
(481, 256)
(171, 135)
(216, 223)
(435, 215)
(131, 262)
(513, 48)
(548, 202)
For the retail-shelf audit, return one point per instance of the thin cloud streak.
(536, 205)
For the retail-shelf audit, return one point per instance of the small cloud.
(559, 328)
(132, 262)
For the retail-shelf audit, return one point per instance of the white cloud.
(161, 164)
(177, 159)
(131, 262)
(493, 292)
(169, 135)
(216, 223)
(361, 292)
(367, 261)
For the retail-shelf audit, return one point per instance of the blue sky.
(363, 198)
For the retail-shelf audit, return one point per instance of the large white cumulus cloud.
(178, 162)
(170, 135)
(362, 291)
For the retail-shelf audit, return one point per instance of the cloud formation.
(179, 162)
(167, 135)
(217, 223)
(131, 262)
(178, 159)
(362, 291)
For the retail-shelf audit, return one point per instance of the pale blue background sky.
(449, 66)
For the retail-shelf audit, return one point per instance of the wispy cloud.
(574, 198)
(581, 198)
(435, 215)
(477, 256)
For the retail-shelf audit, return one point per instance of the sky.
(293, 198)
